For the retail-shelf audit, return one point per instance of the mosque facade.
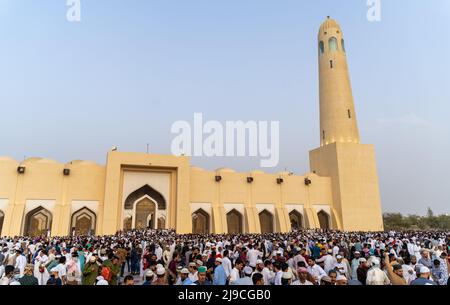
(138, 190)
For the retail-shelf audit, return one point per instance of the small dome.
(329, 24)
(83, 163)
(257, 172)
(8, 160)
(32, 159)
(225, 170)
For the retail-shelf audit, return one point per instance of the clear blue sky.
(131, 68)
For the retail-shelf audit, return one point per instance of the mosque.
(137, 190)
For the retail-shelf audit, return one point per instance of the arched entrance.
(266, 221)
(296, 220)
(128, 223)
(324, 219)
(234, 222)
(83, 222)
(38, 222)
(144, 208)
(145, 214)
(200, 222)
(2, 217)
(161, 223)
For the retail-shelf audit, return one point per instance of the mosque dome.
(329, 24)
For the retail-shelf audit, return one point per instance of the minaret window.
(343, 45)
(331, 64)
(321, 47)
(323, 134)
(349, 114)
(333, 44)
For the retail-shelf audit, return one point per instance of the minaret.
(337, 110)
(351, 166)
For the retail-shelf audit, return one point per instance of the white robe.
(42, 277)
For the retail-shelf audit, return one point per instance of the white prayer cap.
(160, 271)
(185, 270)
(54, 269)
(149, 273)
(287, 275)
(102, 283)
(218, 259)
(100, 278)
(159, 266)
(15, 283)
(92, 259)
(424, 270)
(259, 261)
(340, 277)
(199, 262)
(362, 260)
(248, 270)
(338, 256)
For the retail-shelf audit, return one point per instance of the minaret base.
(354, 179)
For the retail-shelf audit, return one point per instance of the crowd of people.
(151, 257)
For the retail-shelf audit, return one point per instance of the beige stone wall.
(356, 195)
(103, 189)
(44, 181)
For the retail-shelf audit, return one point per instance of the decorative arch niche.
(38, 222)
(324, 219)
(83, 222)
(200, 222)
(266, 221)
(145, 190)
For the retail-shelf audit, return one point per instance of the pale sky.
(130, 69)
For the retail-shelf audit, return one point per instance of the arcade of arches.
(201, 221)
(83, 222)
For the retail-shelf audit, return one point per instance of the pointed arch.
(161, 223)
(143, 191)
(145, 214)
(128, 223)
(83, 222)
(38, 222)
(296, 219)
(266, 221)
(324, 219)
(234, 222)
(200, 222)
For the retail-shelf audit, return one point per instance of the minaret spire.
(337, 111)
